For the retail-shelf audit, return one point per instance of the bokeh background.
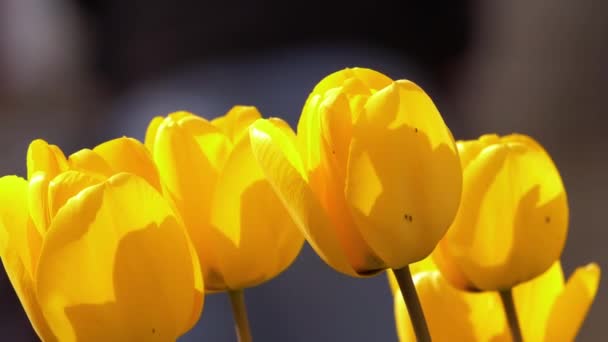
(78, 72)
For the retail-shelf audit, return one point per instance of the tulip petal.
(453, 315)
(534, 299)
(90, 161)
(236, 122)
(328, 181)
(20, 247)
(571, 307)
(44, 157)
(150, 139)
(189, 153)
(277, 154)
(38, 203)
(116, 266)
(372, 79)
(256, 238)
(67, 185)
(129, 155)
(404, 177)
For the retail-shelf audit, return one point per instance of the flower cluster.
(122, 242)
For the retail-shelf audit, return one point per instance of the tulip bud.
(241, 231)
(513, 218)
(373, 179)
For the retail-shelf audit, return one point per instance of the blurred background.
(78, 72)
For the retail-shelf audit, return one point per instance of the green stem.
(509, 306)
(239, 312)
(410, 296)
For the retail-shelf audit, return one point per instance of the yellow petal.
(189, 153)
(129, 155)
(280, 161)
(470, 149)
(372, 79)
(150, 138)
(453, 315)
(404, 176)
(44, 157)
(571, 307)
(67, 185)
(513, 202)
(90, 161)
(20, 248)
(235, 123)
(38, 203)
(116, 266)
(328, 179)
(254, 235)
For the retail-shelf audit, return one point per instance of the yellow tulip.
(239, 228)
(548, 309)
(372, 179)
(94, 253)
(513, 218)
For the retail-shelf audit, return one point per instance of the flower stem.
(239, 312)
(509, 305)
(410, 296)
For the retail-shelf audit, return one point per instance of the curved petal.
(534, 299)
(116, 266)
(38, 201)
(89, 161)
(67, 185)
(470, 149)
(372, 79)
(453, 315)
(235, 123)
(256, 238)
(189, 154)
(280, 161)
(404, 176)
(44, 157)
(129, 155)
(20, 248)
(328, 182)
(151, 131)
(571, 307)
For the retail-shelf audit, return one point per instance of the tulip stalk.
(412, 303)
(506, 297)
(239, 312)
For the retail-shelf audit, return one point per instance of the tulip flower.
(95, 253)
(549, 310)
(513, 218)
(240, 229)
(373, 178)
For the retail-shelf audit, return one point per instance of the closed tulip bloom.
(548, 309)
(513, 218)
(373, 178)
(95, 253)
(241, 231)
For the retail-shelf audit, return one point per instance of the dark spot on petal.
(416, 129)
(333, 151)
(547, 219)
(153, 330)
